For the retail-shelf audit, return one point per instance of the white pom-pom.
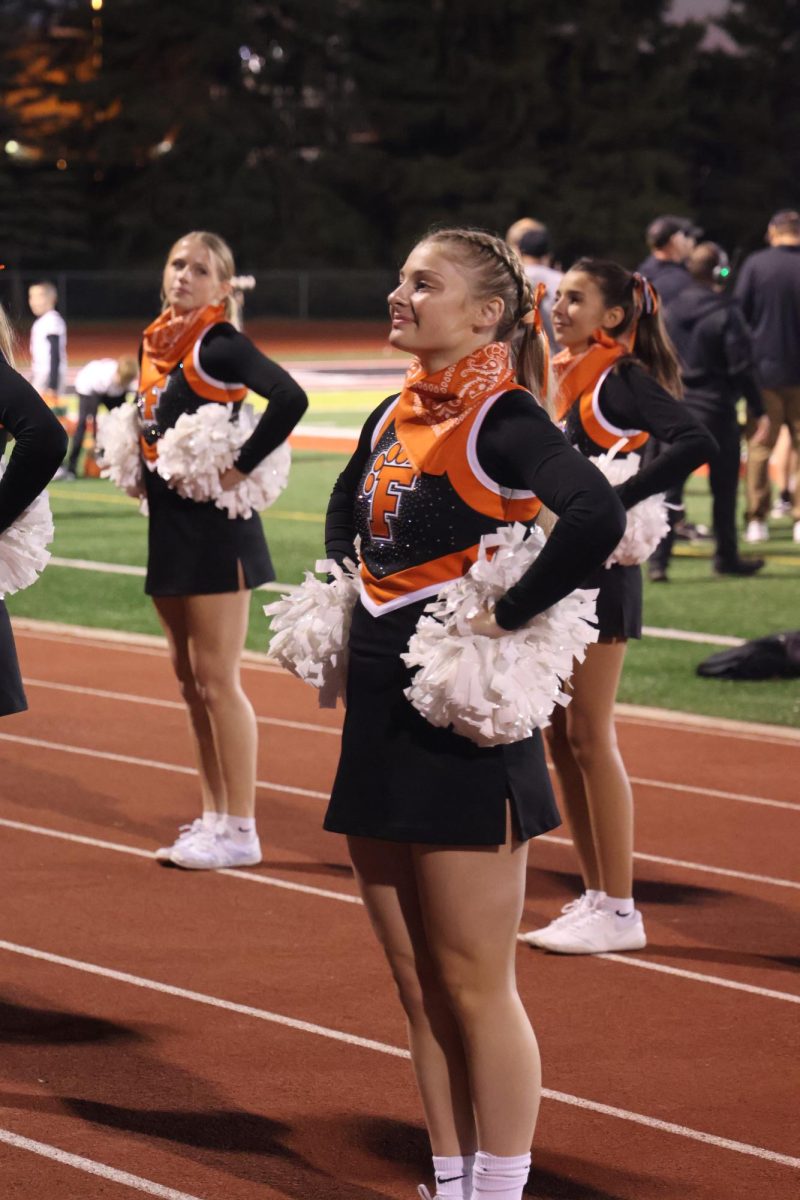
(202, 445)
(118, 450)
(23, 547)
(496, 690)
(311, 629)
(647, 521)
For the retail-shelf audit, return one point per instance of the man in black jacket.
(769, 290)
(670, 241)
(714, 347)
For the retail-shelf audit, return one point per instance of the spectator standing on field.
(769, 291)
(48, 342)
(535, 250)
(714, 348)
(102, 381)
(671, 241)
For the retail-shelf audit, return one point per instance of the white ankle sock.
(453, 1176)
(210, 819)
(621, 906)
(594, 894)
(499, 1178)
(240, 829)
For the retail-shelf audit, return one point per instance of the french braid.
(496, 270)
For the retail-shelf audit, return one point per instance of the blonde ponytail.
(7, 339)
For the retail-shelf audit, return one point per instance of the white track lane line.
(630, 714)
(349, 898)
(288, 789)
(93, 1168)
(310, 727)
(151, 702)
(350, 1039)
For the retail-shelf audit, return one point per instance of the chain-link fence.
(120, 295)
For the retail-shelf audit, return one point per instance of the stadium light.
(12, 147)
(97, 5)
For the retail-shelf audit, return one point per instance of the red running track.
(235, 1035)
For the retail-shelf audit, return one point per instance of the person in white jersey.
(102, 381)
(48, 342)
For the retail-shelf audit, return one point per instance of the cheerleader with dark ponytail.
(438, 826)
(618, 380)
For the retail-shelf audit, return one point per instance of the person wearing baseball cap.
(671, 240)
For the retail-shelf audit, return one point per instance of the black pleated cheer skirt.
(12, 694)
(194, 549)
(404, 780)
(619, 604)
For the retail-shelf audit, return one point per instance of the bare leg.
(607, 790)
(217, 628)
(171, 612)
(386, 877)
(573, 798)
(471, 900)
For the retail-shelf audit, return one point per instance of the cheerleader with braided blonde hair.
(438, 826)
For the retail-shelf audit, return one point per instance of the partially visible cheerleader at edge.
(39, 446)
(201, 564)
(618, 381)
(438, 827)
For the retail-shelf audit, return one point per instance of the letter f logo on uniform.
(392, 474)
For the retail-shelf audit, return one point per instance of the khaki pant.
(783, 408)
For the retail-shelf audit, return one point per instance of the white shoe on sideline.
(186, 834)
(210, 851)
(796, 532)
(598, 932)
(569, 913)
(756, 531)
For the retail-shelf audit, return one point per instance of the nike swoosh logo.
(452, 1178)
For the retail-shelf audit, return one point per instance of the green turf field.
(96, 523)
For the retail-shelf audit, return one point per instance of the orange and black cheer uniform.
(40, 444)
(434, 470)
(196, 548)
(619, 401)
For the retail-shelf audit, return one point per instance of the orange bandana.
(579, 373)
(170, 337)
(432, 406)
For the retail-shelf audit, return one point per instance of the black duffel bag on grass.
(776, 656)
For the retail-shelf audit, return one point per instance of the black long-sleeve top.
(632, 399)
(40, 444)
(518, 447)
(715, 349)
(230, 357)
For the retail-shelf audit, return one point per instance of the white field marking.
(137, 852)
(350, 1039)
(152, 763)
(348, 898)
(92, 1168)
(690, 866)
(747, 731)
(699, 977)
(631, 714)
(288, 789)
(309, 727)
(686, 635)
(130, 698)
(716, 793)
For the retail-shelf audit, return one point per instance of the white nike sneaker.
(186, 833)
(796, 532)
(756, 531)
(570, 912)
(209, 851)
(598, 932)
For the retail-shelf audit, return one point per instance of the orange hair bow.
(534, 316)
